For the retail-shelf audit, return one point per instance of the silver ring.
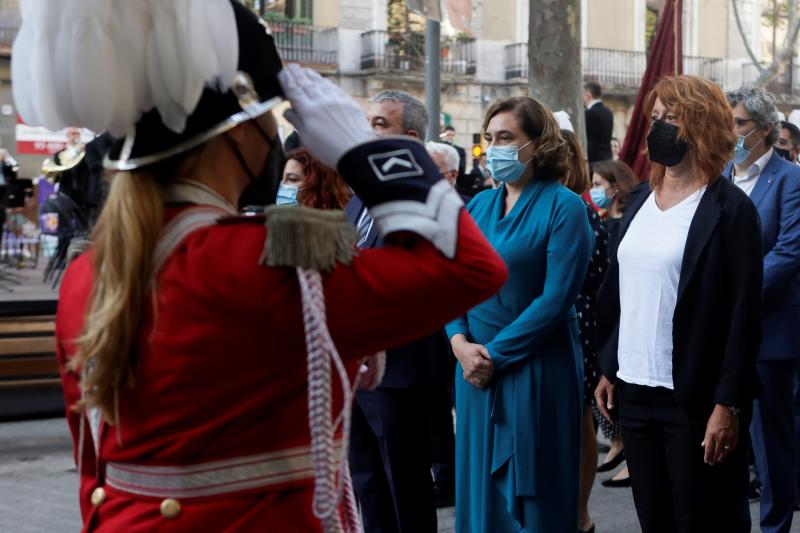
(726, 447)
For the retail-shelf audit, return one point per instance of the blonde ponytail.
(124, 241)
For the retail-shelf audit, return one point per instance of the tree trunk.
(781, 59)
(554, 58)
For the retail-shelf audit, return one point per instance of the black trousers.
(443, 444)
(673, 489)
(390, 460)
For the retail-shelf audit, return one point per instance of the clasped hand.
(475, 361)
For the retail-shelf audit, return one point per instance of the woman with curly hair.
(681, 323)
(309, 183)
(519, 374)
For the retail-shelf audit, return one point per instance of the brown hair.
(594, 88)
(577, 177)
(539, 124)
(323, 188)
(706, 124)
(619, 174)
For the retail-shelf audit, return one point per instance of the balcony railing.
(706, 67)
(787, 83)
(613, 67)
(305, 44)
(459, 56)
(383, 50)
(516, 57)
(392, 51)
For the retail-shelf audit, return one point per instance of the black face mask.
(784, 153)
(663, 145)
(263, 188)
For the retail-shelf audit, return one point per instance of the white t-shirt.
(650, 257)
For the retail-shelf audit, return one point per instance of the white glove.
(328, 120)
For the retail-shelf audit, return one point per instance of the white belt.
(217, 477)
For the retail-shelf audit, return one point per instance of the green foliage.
(275, 16)
(651, 23)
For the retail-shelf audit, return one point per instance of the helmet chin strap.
(271, 142)
(263, 186)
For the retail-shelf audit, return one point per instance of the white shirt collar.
(592, 103)
(758, 167)
(755, 170)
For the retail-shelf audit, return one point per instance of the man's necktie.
(363, 230)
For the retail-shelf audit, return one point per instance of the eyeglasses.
(739, 122)
(785, 142)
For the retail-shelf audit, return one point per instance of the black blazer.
(462, 160)
(599, 128)
(420, 363)
(717, 321)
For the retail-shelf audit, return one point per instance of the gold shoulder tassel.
(77, 247)
(307, 238)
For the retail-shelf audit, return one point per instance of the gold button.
(98, 496)
(170, 508)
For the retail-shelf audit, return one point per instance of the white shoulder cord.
(328, 489)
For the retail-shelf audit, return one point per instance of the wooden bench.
(29, 377)
(28, 352)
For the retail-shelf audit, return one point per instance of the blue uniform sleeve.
(569, 248)
(782, 263)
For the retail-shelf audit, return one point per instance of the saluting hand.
(475, 361)
(329, 121)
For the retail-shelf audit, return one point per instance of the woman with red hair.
(309, 183)
(680, 325)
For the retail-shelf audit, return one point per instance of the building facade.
(492, 62)
(361, 46)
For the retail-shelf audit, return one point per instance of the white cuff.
(435, 220)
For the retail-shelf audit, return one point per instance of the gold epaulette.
(308, 238)
(77, 246)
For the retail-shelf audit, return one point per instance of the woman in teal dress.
(519, 376)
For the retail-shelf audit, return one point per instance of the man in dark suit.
(448, 136)
(599, 123)
(788, 142)
(773, 185)
(477, 180)
(390, 453)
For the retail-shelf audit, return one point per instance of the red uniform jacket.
(221, 372)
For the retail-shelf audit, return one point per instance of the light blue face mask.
(504, 164)
(287, 195)
(599, 198)
(740, 153)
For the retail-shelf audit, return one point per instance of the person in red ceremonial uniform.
(208, 360)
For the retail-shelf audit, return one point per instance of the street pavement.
(38, 486)
(25, 284)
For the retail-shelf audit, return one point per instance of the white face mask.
(287, 195)
(504, 164)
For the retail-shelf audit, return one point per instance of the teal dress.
(517, 439)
